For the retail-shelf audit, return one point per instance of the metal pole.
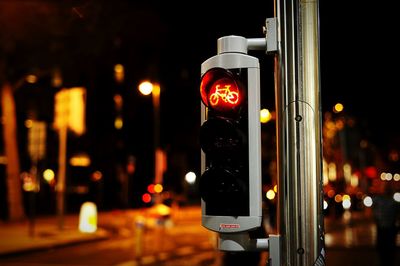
(32, 199)
(158, 172)
(156, 105)
(62, 161)
(62, 113)
(297, 88)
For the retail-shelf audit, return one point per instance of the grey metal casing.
(233, 60)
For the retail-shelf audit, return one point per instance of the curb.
(99, 236)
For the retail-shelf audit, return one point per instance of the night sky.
(358, 58)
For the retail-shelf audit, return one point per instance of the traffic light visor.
(220, 90)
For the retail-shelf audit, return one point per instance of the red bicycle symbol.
(225, 94)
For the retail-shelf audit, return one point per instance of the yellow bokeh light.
(338, 108)
(82, 160)
(118, 123)
(28, 182)
(270, 194)
(118, 68)
(332, 173)
(346, 197)
(119, 73)
(48, 175)
(162, 209)
(158, 188)
(265, 115)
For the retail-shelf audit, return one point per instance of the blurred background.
(100, 102)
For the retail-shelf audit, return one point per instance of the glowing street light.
(190, 177)
(338, 108)
(147, 88)
(49, 175)
(119, 73)
(265, 116)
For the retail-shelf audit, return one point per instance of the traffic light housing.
(230, 184)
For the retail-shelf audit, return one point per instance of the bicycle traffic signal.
(230, 184)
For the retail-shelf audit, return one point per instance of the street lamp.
(146, 88)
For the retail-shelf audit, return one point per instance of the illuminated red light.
(219, 90)
(371, 172)
(146, 197)
(150, 188)
(224, 93)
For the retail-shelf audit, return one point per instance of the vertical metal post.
(62, 101)
(158, 170)
(62, 165)
(299, 133)
(156, 131)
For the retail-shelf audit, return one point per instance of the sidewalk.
(16, 237)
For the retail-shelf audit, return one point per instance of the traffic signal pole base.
(242, 242)
(239, 242)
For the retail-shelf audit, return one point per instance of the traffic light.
(230, 184)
